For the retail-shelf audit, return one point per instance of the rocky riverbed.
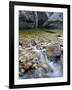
(40, 58)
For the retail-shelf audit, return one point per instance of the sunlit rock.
(53, 50)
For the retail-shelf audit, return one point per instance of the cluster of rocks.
(30, 55)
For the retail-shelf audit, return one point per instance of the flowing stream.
(40, 72)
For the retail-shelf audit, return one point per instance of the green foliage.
(56, 21)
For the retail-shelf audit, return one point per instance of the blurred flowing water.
(57, 68)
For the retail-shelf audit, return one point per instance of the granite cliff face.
(34, 19)
(53, 16)
(26, 19)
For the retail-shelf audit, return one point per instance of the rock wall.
(34, 19)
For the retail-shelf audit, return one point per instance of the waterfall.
(56, 69)
(43, 59)
(40, 54)
(54, 66)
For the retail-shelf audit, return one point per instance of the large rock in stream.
(53, 50)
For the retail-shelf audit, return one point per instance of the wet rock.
(54, 58)
(33, 43)
(21, 71)
(35, 61)
(53, 50)
(27, 65)
(24, 64)
(44, 66)
(30, 55)
(38, 46)
(20, 48)
(34, 66)
(25, 43)
(20, 43)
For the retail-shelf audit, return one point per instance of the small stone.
(27, 65)
(44, 65)
(34, 66)
(22, 70)
(33, 43)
